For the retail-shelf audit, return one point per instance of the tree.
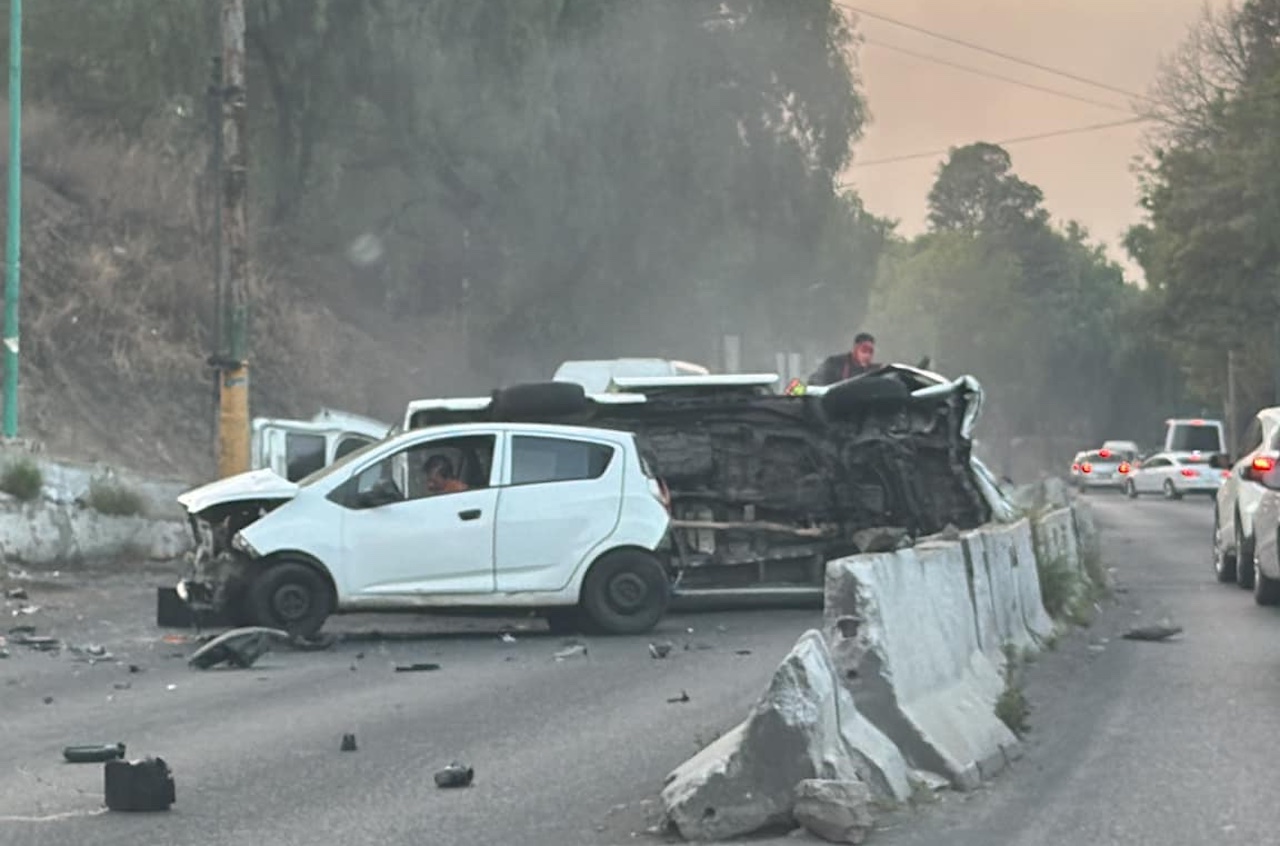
(976, 192)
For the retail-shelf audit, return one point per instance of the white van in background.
(1207, 437)
(294, 449)
(595, 376)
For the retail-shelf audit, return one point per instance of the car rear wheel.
(1171, 490)
(291, 596)
(1244, 558)
(625, 592)
(1266, 591)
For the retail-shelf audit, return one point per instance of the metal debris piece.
(348, 743)
(683, 697)
(239, 647)
(16, 593)
(93, 753)
(660, 650)
(743, 652)
(572, 652)
(455, 775)
(1160, 631)
(44, 643)
(416, 668)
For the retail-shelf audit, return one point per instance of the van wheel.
(293, 597)
(625, 592)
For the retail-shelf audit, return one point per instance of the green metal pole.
(13, 239)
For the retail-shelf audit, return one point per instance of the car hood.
(256, 484)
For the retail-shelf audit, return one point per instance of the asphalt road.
(1137, 742)
(565, 752)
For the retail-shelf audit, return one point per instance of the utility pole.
(1231, 405)
(13, 238)
(233, 364)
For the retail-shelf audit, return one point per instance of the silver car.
(1238, 498)
(1174, 474)
(1263, 565)
(1099, 468)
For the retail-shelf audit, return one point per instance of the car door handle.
(470, 514)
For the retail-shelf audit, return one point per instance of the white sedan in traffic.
(559, 520)
(1174, 474)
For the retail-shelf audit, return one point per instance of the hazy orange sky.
(920, 106)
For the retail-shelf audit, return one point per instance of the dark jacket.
(837, 368)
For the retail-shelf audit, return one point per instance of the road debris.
(661, 650)
(455, 775)
(683, 697)
(145, 785)
(836, 811)
(16, 593)
(701, 647)
(122, 685)
(316, 643)
(578, 649)
(348, 743)
(21, 630)
(93, 753)
(1157, 632)
(48, 700)
(134, 668)
(416, 668)
(507, 637)
(91, 653)
(742, 652)
(43, 643)
(239, 648)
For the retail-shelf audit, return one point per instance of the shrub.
(22, 479)
(115, 499)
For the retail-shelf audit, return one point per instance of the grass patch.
(22, 479)
(1059, 586)
(1012, 707)
(115, 499)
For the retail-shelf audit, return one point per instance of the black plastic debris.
(1153, 633)
(348, 743)
(416, 668)
(42, 643)
(660, 650)
(145, 785)
(683, 697)
(455, 775)
(238, 648)
(48, 700)
(93, 753)
(16, 593)
(742, 652)
(134, 668)
(22, 630)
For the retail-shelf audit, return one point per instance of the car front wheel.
(625, 592)
(1171, 490)
(1266, 591)
(291, 596)
(1224, 562)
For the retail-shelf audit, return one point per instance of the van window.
(303, 455)
(349, 444)
(535, 459)
(1190, 438)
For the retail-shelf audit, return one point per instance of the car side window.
(434, 468)
(536, 459)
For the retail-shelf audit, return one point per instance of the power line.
(1011, 80)
(990, 51)
(1003, 143)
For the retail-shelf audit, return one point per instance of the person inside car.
(843, 366)
(441, 477)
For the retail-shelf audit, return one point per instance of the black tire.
(291, 596)
(1224, 563)
(539, 400)
(851, 398)
(564, 621)
(1266, 591)
(625, 592)
(1244, 558)
(1171, 490)
(1130, 489)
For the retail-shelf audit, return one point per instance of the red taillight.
(1104, 453)
(1188, 472)
(1086, 468)
(1226, 474)
(1264, 464)
(1124, 467)
(1075, 468)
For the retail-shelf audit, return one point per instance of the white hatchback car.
(560, 520)
(1173, 474)
(1237, 500)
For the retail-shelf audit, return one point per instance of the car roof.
(463, 429)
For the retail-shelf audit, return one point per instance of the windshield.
(1191, 438)
(355, 455)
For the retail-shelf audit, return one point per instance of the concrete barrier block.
(1088, 539)
(806, 726)
(45, 534)
(920, 675)
(999, 547)
(1027, 577)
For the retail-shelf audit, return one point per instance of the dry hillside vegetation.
(117, 311)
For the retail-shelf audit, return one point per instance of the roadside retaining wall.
(44, 534)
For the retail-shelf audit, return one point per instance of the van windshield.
(1189, 438)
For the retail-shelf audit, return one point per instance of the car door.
(417, 541)
(562, 496)
(1151, 476)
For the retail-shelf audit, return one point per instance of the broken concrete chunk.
(882, 539)
(239, 647)
(455, 775)
(836, 811)
(805, 726)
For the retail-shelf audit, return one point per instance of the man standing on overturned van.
(843, 366)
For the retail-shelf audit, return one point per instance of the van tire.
(625, 592)
(291, 596)
(539, 399)
(850, 398)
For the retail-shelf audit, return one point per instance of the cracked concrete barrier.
(43, 534)
(1054, 533)
(906, 637)
(1014, 580)
(804, 727)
